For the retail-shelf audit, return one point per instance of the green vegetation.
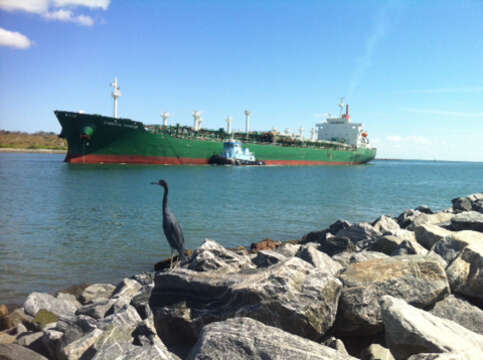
(45, 317)
(38, 140)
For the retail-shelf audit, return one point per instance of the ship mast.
(229, 121)
(115, 94)
(247, 120)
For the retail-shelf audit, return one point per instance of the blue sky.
(411, 70)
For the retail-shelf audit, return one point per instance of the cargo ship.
(95, 139)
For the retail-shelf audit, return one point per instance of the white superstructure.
(342, 129)
(116, 93)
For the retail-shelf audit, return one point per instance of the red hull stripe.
(136, 159)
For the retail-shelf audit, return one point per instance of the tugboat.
(234, 154)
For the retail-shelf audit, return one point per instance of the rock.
(266, 258)
(336, 244)
(412, 218)
(17, 317)
(127, 288)
(3, 310)
(61, 307)
(376, 352)
(407, 247)
(424, 209)
(243, 338)
(411, 331)
(465, 273)
(420, 281)
(75, 290)
(362, 234)
(18, 352)
(97, 293)
(386, 224)
(346, 258)
(211, 256)
(145, 278)
(467, 203)
(428, 235)
(265, 244)
(288, 250)
(448, 248)
(461, 312)
(315, 236)
(468, 220)
(96, 310)
(291, 295)
(141, 302)
(44, 317)
(386, 244)
(336, 344)
(33, 341)
(76, 349)
(128, 316)
(338, 226)
(466, 355)
(319, 260)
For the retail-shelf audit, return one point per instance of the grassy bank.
(16, 140)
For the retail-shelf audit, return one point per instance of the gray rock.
(145, 278)
(97, 293)
(127, 288)
(339, 225)
(347, 258)
(291, 295)
(424, 209)
(52, 342)
(333, 245)
(448, 248)
(362, 234)
(127, 317)
(428, 235)
(376, 352)
(386, 244)
(315, 236)
(33, 341)
(76, 349)
(61, 307)
(467, 203)
(211, 256)
(461, 312)
(336, 344)
(266, 258)
(96, 310)
(141, 302)
(420, 281)
(406, 218)
(245, 338)
(468, 220)
(413, 218)
(411, 331)
(466, 355)
(465, 273)
(288, 249)
(18, 352)
(407, 247)
(319, 260)
(386, 224)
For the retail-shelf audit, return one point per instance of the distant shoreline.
(45, 151)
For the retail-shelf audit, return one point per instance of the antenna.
(229, 121)
(165, 115)
(247, 120)
(116, 93)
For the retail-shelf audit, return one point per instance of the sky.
(412, 71)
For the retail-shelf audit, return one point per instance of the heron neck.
(165, 198)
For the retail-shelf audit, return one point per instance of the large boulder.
(362, 234)
(347, 257)
(465, 273)
(468, 220)
(97, 293)
(451, 245)
(467, 203)
(245, 338)
(319, 259)
(64, 306)
(385, 224)
(412, 218)
(461, 312)
(291, 295)
(420, 281)
(18, 352)
(409, 331)
(428, 235)
(376, 352)
(211, 256)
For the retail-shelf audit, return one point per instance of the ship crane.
(116, 93)
(165, 115)
(247, 120)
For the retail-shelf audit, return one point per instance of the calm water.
(63, 224)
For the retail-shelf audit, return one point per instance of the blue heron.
(171, 227)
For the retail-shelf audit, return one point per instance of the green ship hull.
(101, 139)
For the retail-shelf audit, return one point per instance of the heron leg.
(171, 261)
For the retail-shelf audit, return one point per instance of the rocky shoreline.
(409, 287)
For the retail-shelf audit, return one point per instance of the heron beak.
(154, 183)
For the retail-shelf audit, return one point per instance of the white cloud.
(14, 39)
(67, 16)
(103, 4)
(35, 6)
(59, 10)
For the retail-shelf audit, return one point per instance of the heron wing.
(173, 231)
